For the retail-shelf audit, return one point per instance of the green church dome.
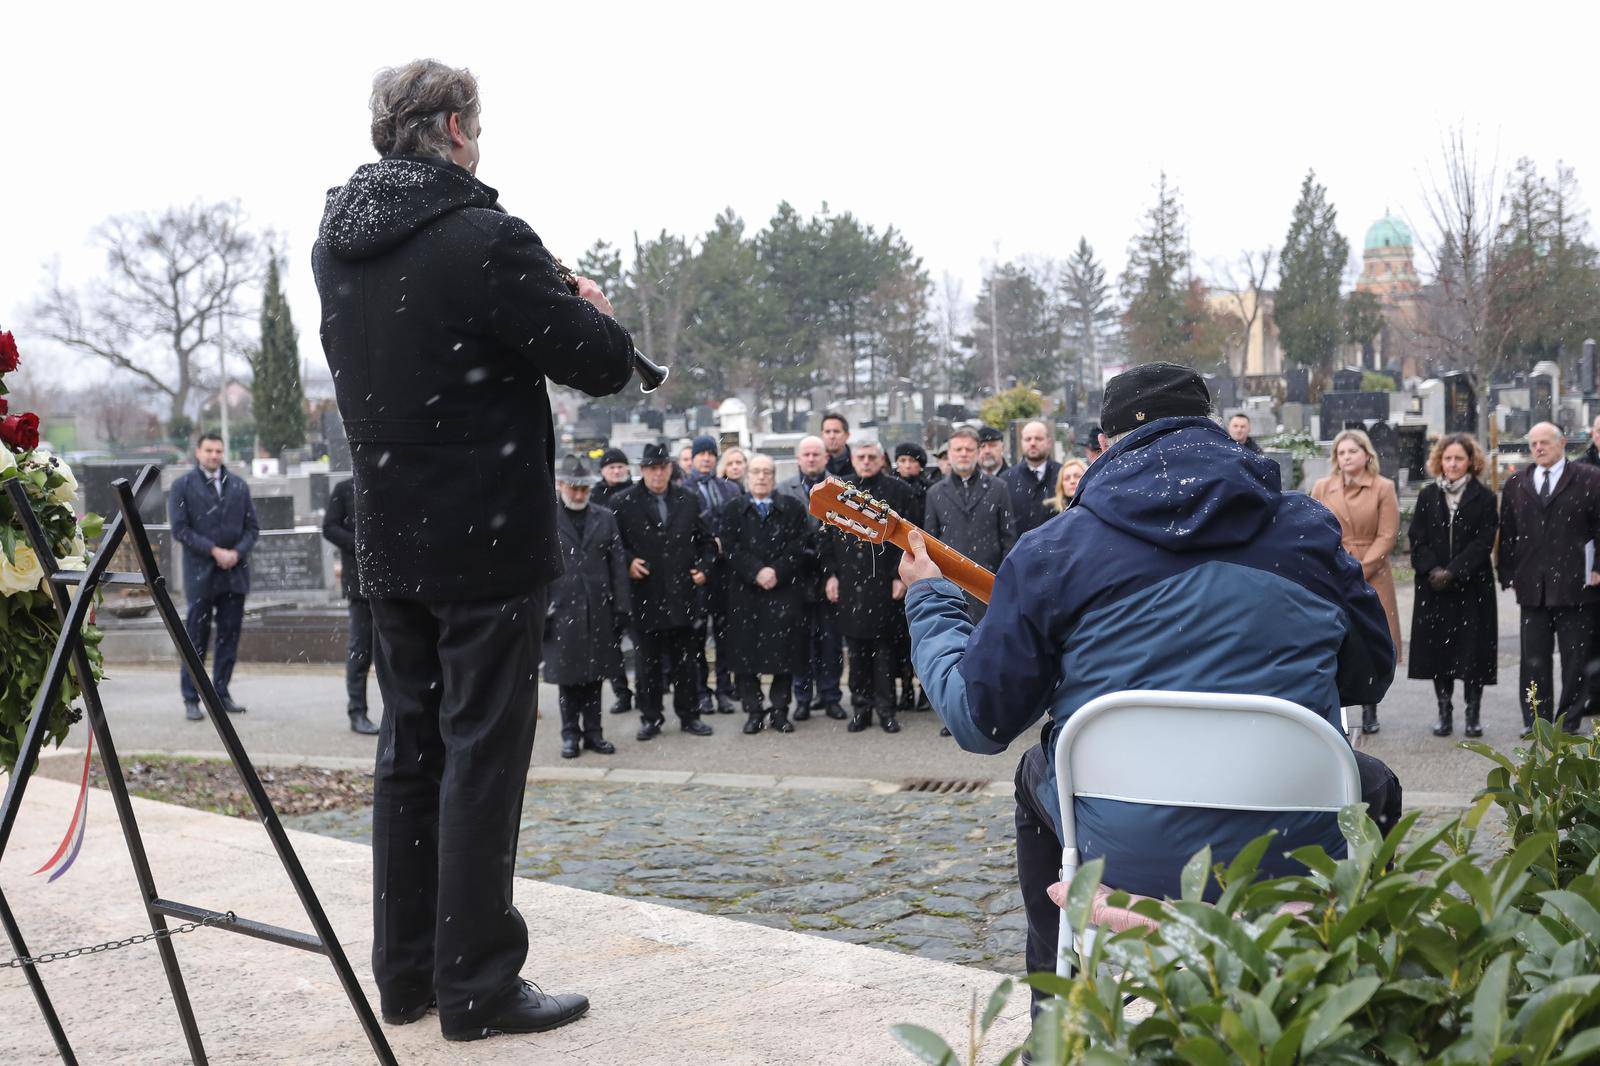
(1388, 232)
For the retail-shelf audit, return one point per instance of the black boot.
(1442, 691)
(890, 723)
(802, 711)
(1474, 700)
(859, 721)
(569, 747)
(360, 723)
(1369, 717)
(754, 721)
(599, 744)
(780, 720)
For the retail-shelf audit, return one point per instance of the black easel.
(69, 654)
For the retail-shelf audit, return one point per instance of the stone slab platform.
(668, 986)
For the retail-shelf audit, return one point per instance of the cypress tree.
(1308, 311)
(277, 397)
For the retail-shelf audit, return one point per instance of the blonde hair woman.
(732, 465)
(1067, 483)
(1369, 522)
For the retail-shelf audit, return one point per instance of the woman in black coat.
(1454, 627)
(764, 547)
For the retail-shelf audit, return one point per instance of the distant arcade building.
(1389, 273)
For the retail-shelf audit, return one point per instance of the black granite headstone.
(1386, 442)
(1517, 425)
(95, 480)
(1460, 404)
(1341, 409)
(274, 512)
(1586, 368)
(1347, 380)
(320, 487)
(286, 562)
(1413, 452)
(1296, 386)
(1541, 398)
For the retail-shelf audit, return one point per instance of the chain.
(114, 945)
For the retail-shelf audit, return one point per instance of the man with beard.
(443, 317)
(713, 493)
(580, 644)
(1032, 482)
(836, 439)
(764, 544)
(816, 679)
(991, 451)
(860, 578)
(971, 511)
(614, 481)
(670, 552)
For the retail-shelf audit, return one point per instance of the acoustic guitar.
(847, 508)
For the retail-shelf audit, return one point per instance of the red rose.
(9, 358)
(4, 406)
(20, 431)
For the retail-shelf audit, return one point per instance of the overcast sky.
(962, 125)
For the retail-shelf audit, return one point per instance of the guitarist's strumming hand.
(914, 562)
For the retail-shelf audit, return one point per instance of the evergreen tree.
(726, 329)
(1308, 310)
(1363, 321)
(276, 396)
(1087, 314)
(1014, 308)
(1155, 283)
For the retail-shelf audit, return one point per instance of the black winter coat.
(810, 581)
(867, 607)
(605, 494)
(1454, 632)
(1541, 545)
(766, 627)
(1032, 497)
(668, 598)
(200, 521)
(975, 521)
(442, 316)
(918, 488)
(339, 529)
(580, 637)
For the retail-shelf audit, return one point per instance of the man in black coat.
(860, 578)
(816, 681)
(836, 441)
(339, 528)
(1032, 482)
(764, 544)
(670, 552)
(443, 317)
(214, 519)
(712, 493)
(971, 511)
(1239, 433)
(581, 648)
(991, 451)
(615, 479)
(1549, 517)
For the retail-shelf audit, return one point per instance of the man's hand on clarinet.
(915, 565)
(591, 292)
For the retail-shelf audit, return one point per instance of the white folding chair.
(1197, 749)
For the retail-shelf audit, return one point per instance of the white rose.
(22, 576)
(67, 491)
(7, 460)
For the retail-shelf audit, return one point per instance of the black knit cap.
(1139, 396)
(613, 455)
(913, 450)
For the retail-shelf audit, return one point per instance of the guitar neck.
(968, 575)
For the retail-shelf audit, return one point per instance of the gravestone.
(274, 512)
(1386, 442)
(1295, 417)
(287, 560)
(1413, 452)
(1460, 404)
(321, 486)
(1296, 386)
(95, 481)
(1347, 380)
(1342, 409)
(1541, 398)
(1517, 425)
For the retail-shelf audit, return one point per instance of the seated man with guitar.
(1120, 592)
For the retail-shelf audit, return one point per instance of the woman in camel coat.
(1369, 519)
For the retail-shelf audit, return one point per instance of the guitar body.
(846, 508)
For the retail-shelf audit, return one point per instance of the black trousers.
(1039, 848)
(580, 711)
(670, 652)
(228, 609)
(358, 656)
(1544, 629)
(817, 682)
(460, 697)
(777, 696)
(872, 674)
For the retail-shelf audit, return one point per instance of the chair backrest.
(1203, 749)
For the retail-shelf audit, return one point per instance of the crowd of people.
(734, 599)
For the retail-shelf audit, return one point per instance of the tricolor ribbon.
(72, 843)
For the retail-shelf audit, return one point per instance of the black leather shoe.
(409, 1015)
(603, 746)
(944, 731)
(231, 707)
(726, 706)
(836, 712)
(802, 713)
(697, 727)
(780, 720)
(754, 722)
(890, 724)
(360, 723)
(530, 1011)
(1369, 718)
(624, 704)
(191, 710)
(569, 748)
(648, 730)
(859, 722)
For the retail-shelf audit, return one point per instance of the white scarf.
(1453, 490)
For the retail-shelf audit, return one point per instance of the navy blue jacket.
(201, 521)
(1180, 565)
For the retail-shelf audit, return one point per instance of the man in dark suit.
(816, 680)
(971, 511)
(836, 440)
(670, 552)
(339, 527)
(712, 493)
(1032, 482)
(214, 519)
(1549, 521)
(443, 319)
(991, 451)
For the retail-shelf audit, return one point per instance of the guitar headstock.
(846, 507)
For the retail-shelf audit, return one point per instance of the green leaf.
(1052, 983)
(1583, 1047)
(1196, 872)
(925, 1044)
(1489, 1006)
(1576, 910)
(1344, 1002)
(1044, 1041)
(997, 1002)
(1202, 1051)
(1080, 894)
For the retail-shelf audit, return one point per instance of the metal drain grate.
(942, 787)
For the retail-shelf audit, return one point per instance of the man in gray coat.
(971, 510)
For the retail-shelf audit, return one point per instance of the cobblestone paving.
(932, 876)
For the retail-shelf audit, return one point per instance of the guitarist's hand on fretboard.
(914, 562)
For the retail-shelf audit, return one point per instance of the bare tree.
(1245, 281)
(121, 412)
(170, 281)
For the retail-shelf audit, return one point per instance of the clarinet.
(651, 375)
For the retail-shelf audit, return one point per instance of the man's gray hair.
(412, 105)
